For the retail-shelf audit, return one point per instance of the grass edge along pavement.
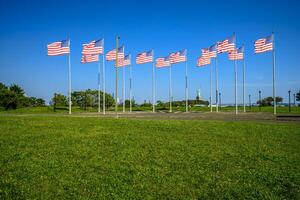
(62, 157)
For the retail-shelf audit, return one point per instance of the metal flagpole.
(274, 90)
(235, 88)
(244, 77)
(99, 84)
(217, 89)
(103, 79)
(170, 87)
(117, 60)
(123, 77)
(70, 100)
(153, 85)
(186, 84)
(130, 86)
(210, 98)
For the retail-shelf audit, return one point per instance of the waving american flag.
(94, 47)
(264, 44)
(144, 57)
(177, 57)
(205, 53)
(201, 61)
(111, 55)
(125, 61)
(89, 58)
(59, 48)
(163, 62)
(226, 45)
(237, 54)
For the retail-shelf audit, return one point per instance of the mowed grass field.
(295, 110)
(59, 157)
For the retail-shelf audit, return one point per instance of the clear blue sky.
(165, 26)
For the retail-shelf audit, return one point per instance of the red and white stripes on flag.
(111, 55)
(89, 58)
(58, 48)
(203, 61)
(144, 57)
(264, 44)
(205, 53)
(94, 47)
(237, 54)
(124, 61)
(162, 62)
(177, 57)
(226, 45)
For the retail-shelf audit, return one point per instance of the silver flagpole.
(186, 84)
(70, 100)
(170, 87)
(103, 79)
(235, 80)
(244, 77)
(210, 98)
(274, 89)
(130, 86)
(99, 84)
(123, 77)
(117, 63)
(217, 89)
(235, 88)
(153, 85)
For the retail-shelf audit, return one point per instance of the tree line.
(83, 99)
(13, 97)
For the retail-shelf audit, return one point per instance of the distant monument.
(199, 97)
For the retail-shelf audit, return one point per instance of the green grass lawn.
(58, 157)
(49, 109)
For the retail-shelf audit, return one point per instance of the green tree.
(14, 97)
(160, 104)
(40, 102)
(35, 102)
(59, 100)
(3, 86)
(8, 99)
(109, 100)
(268, 101)
(89, 98)
(17, 89)
(127, 103)
(298, 96)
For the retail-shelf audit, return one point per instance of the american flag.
(89, 58)
(59, 48)
(124, 61)
(226, 45)
(179, 56)
(205, 53)
(202, 61)
(94, 47)
(144, 57)
(264, 44)
(213, 51)
(163, 62)
(111, 55)
(237, 54)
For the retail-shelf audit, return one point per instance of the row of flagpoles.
(91, 53)
(229, 46)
